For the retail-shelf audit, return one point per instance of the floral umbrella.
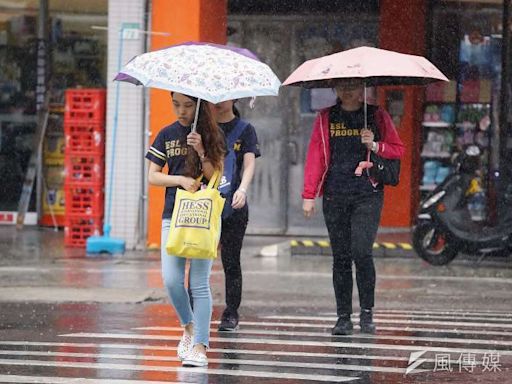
(207, 71)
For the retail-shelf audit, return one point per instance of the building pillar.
(184, 20)
(127, 176)
(403, 29)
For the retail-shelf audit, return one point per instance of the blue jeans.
(173, 275)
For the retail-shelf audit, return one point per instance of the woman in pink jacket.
(352, 202)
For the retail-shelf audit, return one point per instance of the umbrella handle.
(194, 124)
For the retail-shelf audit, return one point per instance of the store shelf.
(436, 124)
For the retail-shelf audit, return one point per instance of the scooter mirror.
(473, 150)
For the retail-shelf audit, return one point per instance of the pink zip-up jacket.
(319, 152)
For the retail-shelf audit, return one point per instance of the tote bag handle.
(214, 180)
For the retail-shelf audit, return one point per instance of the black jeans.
(352, 222)
(231, 239)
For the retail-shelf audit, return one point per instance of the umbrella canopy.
(373, 65)
(240, 50)
(207, 71)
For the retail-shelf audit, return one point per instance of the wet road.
(123, 343)
(104, 320)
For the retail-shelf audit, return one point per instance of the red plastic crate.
(85, 105)
(84, 138)
(78, 229)
(84, 200)
(84, 169)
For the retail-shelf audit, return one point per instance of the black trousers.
(231, 239)
(352, 222)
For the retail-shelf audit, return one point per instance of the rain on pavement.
(106, 320)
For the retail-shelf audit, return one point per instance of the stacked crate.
(84, 164)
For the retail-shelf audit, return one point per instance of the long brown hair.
(213, 141)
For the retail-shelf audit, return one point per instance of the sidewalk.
(44, 245)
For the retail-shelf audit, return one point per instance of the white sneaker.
(185, 346)
(195, 359)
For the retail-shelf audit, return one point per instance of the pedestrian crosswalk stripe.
(437, 312)
(334, 344)
(209, 371)
(267, 332)
(440, 316)
(232, 361)
(405, 328)
(164, 348)
(67, 380)
(393, 321)
(381, 315)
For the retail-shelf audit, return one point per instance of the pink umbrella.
(373, 65)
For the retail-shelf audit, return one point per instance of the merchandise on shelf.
(434, 172)
(446, 132)
(438, 144)
(52, 198)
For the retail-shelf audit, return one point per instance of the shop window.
(77, 58)
(466, 45)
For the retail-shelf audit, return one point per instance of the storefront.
(284, 35)
(455, 35)
(463, 38)
(76, 58)
(466, 42)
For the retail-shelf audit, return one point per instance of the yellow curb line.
(327, 244)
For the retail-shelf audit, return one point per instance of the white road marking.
(149, 347)
(384, 316)
(383, 328)
(391, 321)
(262, 363)
(337, 344)
(460, 312)
(72, 380)
(265, 332)
(207, 371)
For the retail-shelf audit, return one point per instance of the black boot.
(229, 321)
(366, 321)
(343, 325)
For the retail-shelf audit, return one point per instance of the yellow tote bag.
(196, 222)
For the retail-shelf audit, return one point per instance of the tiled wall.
(129, 152)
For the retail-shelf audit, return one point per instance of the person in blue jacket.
(236, 215)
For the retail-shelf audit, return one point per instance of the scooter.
(444, 225)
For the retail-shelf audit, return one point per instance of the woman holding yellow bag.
(188, 156)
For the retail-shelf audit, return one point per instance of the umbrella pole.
(365, 108)
(194, 124)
